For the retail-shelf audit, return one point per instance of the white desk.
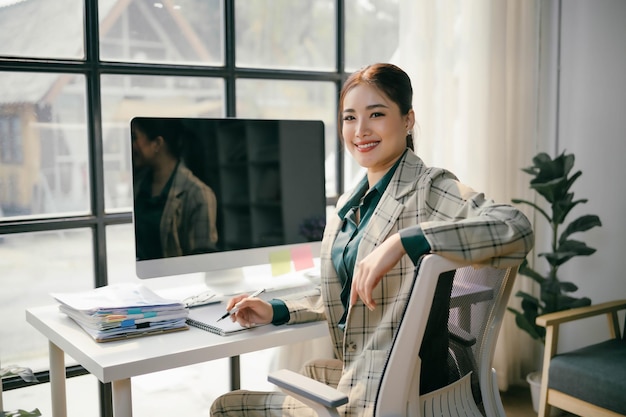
(118, 362)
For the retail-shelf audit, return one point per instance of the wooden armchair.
(590, 381)
(477, 300)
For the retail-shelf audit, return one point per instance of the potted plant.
(552, 181)
(27, 375)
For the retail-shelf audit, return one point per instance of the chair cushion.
(595, 374)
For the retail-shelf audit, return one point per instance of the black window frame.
(91, 67)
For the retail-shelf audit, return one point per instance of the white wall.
(590, 121)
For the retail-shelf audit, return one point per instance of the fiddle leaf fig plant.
(552, 181)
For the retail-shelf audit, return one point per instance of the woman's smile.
(366, 146)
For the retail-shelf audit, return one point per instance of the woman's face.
(374, 130)
(143, 148)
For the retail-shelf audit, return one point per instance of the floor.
(162, 396)
(161, 393)
(517, 402)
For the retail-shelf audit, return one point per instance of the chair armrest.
(559, 317)
(308, 388)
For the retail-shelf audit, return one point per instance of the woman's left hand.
(371, 269)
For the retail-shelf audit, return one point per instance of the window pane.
(180, 32)
(303, 100)
(371, 31)
(295, 34)
(42, 29)
(82, 396)
(34, 265)
(121, 253)
(43, 145)
(127, 96)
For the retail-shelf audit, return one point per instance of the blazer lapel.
(403, 183)
(381, 223)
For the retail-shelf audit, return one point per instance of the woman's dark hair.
(171, 130)
(389, 79)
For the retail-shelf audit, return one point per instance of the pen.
(236, 307)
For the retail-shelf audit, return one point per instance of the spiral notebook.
(205, 318)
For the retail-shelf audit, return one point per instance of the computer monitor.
(253, 188)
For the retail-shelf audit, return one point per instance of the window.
(11, 150)
(291, 34)
(169, 32)
(73, 73)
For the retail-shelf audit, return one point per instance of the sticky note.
(280, 262)
(302, 257)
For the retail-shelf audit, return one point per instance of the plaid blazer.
(188, 223)
(458, 223)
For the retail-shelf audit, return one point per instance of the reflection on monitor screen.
(219, 194)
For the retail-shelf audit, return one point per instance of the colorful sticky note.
(302, 257)
(280, 262)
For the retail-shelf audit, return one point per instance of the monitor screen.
(218, 194)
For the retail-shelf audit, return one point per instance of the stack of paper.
(121, 311)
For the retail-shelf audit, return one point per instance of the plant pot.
(534, 380)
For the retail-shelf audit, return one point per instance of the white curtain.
(474, 68)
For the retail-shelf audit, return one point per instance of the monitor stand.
(227, 281)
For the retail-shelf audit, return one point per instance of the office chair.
(477, 298)
(589, 381)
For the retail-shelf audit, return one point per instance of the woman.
(175, 212)
(398, 212)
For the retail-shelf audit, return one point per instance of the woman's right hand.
(371, 269)
(251, 310)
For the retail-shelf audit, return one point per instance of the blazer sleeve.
(307, 308)
(461, 224)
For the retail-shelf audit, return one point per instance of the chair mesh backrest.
(472, 302)
(476, 306)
